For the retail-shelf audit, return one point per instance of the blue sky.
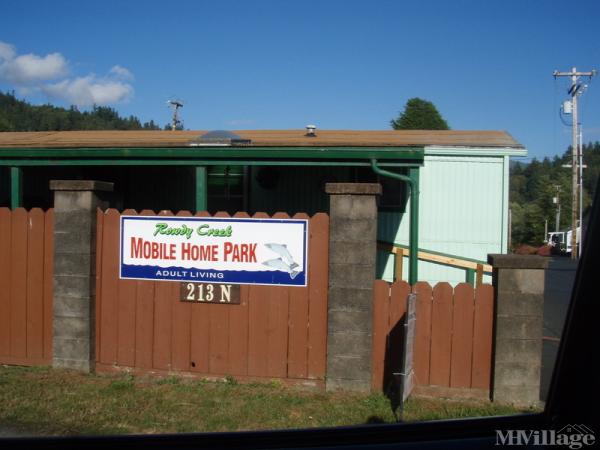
(284, 64)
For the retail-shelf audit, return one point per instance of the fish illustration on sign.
(283, 252)
(279, 264)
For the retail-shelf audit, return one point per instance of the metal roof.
(261, 138)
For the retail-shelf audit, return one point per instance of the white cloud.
(48, 74)
(7, 51)
(121, 73)
(30, 68)
(89, 90)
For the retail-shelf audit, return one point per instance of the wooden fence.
(453, 340)
(275, 332)
(26, 268)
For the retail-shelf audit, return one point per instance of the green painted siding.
(462, 212)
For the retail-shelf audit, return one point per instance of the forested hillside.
(18, 115)
(533, 186)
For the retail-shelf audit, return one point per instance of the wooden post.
(479, 275)
(398, 261)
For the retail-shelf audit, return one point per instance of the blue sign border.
(174, 273)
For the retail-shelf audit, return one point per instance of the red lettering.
(205, 253)
(252, 253)
(185, 251)
(239, 252)
(227, 250)
(136, 247)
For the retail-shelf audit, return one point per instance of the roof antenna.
(175, 105)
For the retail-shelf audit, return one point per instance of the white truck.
(562, 239)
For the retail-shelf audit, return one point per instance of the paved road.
(559, 283)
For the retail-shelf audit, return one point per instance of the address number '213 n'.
(227, 294)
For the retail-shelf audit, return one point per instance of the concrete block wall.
(519, 290)
(352, 257)
(75, 204)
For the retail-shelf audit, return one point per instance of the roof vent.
(311, 131)
(219, 138)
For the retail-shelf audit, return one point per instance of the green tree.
(419, 114)
(18, 115)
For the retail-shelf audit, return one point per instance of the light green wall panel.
(462, 212)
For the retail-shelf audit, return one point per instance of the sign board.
(209, 293)
(214, 250)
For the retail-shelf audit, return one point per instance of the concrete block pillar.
(352, 253)
(75, 204)
(519, 289)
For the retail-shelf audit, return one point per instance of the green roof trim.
(404, 156)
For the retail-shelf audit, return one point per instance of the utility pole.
(574, 91)
(557, 203)
(580, 183)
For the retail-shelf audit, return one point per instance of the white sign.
(212, 249)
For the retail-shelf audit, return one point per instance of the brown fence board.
(162, 326)
(298, 333)
(108, 322)
(277, 332)
(381, 314)
(98, 274)
(126, 318)
(238, 334)
(18, 291)
(218, 338)
(482, 337)
(258, 313)
(462, 335)
(126, 322)
(318, 268)
(441, 334)
(422, 332)
(298, 328)
(144, 324)
(5, 279)
(35, 284)
(48, 282)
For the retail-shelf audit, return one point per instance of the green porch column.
(201, 188)
(413, 261)
(16, 187)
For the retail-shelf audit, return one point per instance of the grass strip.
(46, 401)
